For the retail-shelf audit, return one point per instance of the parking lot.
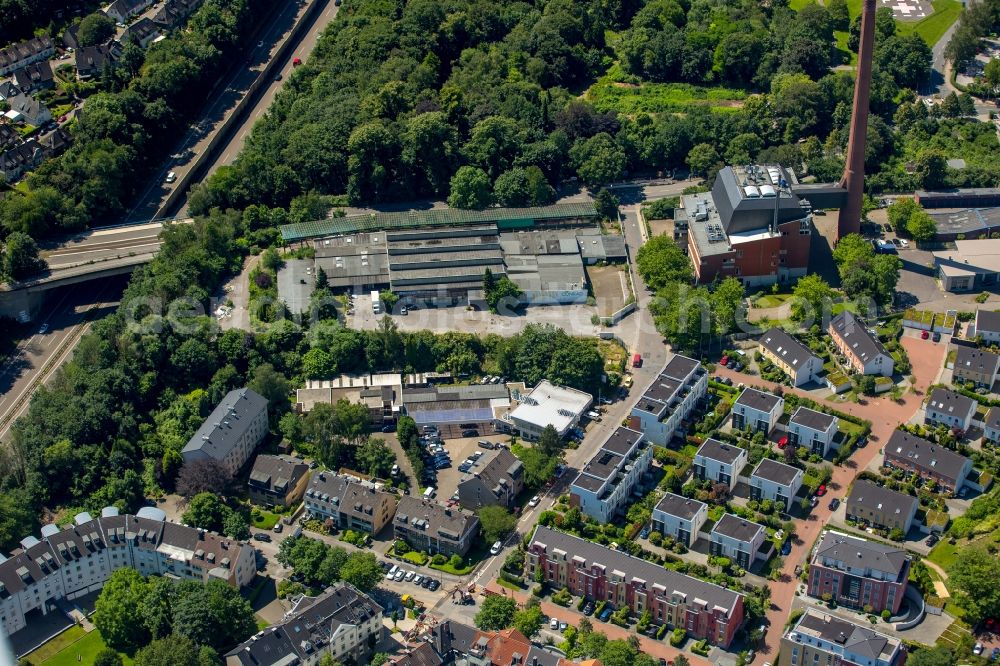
(458, 450)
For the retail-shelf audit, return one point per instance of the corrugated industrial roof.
(434, 217)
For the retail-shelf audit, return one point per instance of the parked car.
(470, 433)
(483, 444)
(936, 337)
(553, 623)
(277, 528)
(261, 536)
(171, 177)
(786, 548)
(931, 540)
(606, 613)
(834, 503)
(563, 626)
(978, 650)
(644, 534)
(495, 549)
(418, 579)
(821, 491)
(409, 576)
(435, 584)
(534, 501)
(426, 584)
(724, 360)
(783, 442)
(588, 608)
(924, 335)
(391, 574)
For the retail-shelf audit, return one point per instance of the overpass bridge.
(92, 255)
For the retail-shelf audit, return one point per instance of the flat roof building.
(972, 265)
(548, 404)
(608, 479)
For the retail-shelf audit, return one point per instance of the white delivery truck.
(376, 304)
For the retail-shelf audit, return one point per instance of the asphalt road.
(102, 245)
(226, 96)
(38, 357)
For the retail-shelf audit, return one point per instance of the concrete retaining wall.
(180, 190)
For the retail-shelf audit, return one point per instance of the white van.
(171, 177)
(376, 304)
(429, 493)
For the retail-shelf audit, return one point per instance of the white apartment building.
(661, 412)
(758, 410)
(719, 462)
(813, 430)
(680, 518)
(71, 562)
(608, 479)
(775, 481)
(548, 404)
(231, 432)
(740, 540)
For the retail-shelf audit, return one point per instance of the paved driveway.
(885, 414)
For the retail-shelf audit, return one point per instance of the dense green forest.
(399, 96)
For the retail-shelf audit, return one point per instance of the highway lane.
(103, 245)
(226, 96)
(37, 358)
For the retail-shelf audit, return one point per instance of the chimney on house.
(854, 168)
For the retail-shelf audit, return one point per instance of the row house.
(587, 569)
(881, 507)
(25, 53)
(927, 460)
(858, 573)
(979, 366)
(950, 409)
(70, 562)
(496, 480)
(864, 352)
(757, 410)
(605, 483)
(350, 504)
(277, 481)
(662, 412)
(991, 431)
(813, 430)
(794, 358)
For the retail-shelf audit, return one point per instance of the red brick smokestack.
(854, 170)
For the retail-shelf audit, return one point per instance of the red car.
(821, 491)
(783, 442)
(296, 62)
(924, 335)
(724, 360)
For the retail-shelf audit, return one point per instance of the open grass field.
(613, 92)
(76, 648)
(930, 28)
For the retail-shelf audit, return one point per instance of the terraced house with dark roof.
(794, 358)
(719, 462)
(351, 504)
(742, 541)
(277, 480)
(704, 610)
(950, 409)
(864, 352)
(979, 366)
(496, 480)
(881, 507)
(987, 327)
(929, 461)
(432, 528)
(858, 573)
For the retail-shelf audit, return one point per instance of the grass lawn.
(613, 92)
(849, 428)
(932, 27)
(943, 554)
(416, 557)
(83, 651)
(71, 635)
(264, 520)
(457, 571)
(844, 305)
(771, 300)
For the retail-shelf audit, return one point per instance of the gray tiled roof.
(716, 450)
(993, 418)
(857, 552)
(852, 637)
(594, 553)
(737, 528)
(972, 359)
(268, 471)
(852, 331)
(773, 470)
(439, 518)
(987, 320)
(227, 423)
(682, 507)
(951, 403)
(921, 453)
(810, 418)
(754, 399)
(785, 347)
(877, 498)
